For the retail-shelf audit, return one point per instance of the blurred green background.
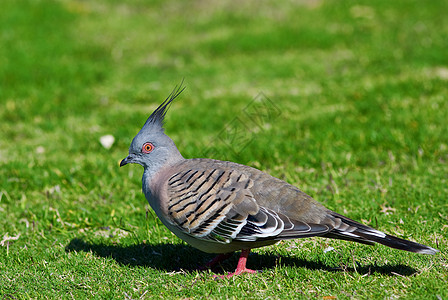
(360, 94)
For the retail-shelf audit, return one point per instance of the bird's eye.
(147, 147)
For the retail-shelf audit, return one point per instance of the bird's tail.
(351, 230)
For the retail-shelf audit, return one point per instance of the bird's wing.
(217, 204)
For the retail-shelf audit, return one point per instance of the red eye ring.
(147, 147)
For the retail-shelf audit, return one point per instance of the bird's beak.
(126, 161)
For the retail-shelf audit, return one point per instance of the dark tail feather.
(333, 235)
(360, 233)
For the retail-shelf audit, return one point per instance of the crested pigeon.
(221, 207)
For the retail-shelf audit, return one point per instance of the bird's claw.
(237, 272)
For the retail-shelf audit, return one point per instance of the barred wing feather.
(218, 205)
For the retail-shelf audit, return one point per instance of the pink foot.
(237, 272)
(241, 267)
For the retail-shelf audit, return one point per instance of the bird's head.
(151, 147)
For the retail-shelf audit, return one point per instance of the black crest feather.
(156, 119)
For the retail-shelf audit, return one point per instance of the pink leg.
(241, 267)
(219, 258)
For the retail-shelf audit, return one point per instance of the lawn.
(347, 100)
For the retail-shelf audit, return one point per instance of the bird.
(221, 207)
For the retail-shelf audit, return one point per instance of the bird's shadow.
(178, 257)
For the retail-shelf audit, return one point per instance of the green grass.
(362, 93)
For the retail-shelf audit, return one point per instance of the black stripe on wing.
(270, 225)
